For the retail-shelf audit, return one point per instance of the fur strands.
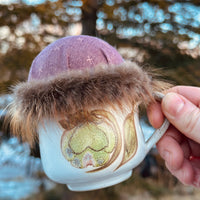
(77, 91)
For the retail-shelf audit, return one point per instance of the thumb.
(183, 114)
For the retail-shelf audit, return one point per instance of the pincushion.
(73, 75)
(73, 53)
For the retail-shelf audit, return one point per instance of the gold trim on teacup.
(130, 139)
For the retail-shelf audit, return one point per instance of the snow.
(18, 171)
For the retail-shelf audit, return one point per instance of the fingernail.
(172, 105)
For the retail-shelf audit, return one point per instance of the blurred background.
(162, 34)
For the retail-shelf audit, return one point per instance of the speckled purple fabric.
(74, 52)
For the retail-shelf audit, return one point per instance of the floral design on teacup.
(96, 140)
(130, 139)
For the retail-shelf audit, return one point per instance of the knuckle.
(192, 121)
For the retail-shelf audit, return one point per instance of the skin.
(180, 146)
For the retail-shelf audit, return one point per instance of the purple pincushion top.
(71, 53)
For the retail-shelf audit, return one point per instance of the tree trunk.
(89, 17)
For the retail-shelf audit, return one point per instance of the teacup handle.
(158, 133)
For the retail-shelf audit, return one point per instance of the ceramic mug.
(98, 152)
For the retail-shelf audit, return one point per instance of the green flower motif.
(91, 143)
(97, 142)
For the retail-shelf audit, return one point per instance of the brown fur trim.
(77, 91)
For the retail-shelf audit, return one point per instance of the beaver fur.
(76, 91)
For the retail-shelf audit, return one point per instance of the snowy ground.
(19, 170)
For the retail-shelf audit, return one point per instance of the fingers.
(174, 151)
(181, 106)
(190, 93)
(194, 147)
(155, 115)
(196, 181)
(185, 173)
(170, 149)
(184, 115)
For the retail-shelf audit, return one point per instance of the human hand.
(180, 146)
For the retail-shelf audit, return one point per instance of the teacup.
(99, 151)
